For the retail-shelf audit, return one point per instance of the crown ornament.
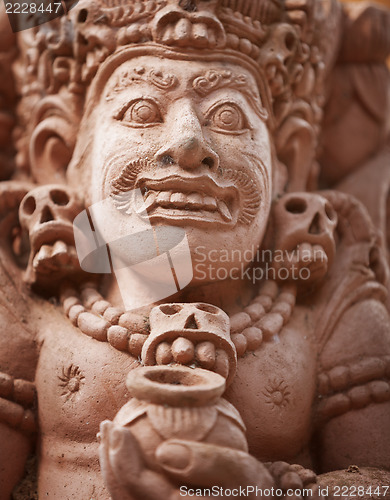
(73, 46)
(286, 42)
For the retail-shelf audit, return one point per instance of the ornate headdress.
(289, 43)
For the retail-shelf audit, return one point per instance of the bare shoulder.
(18, 349)
(17, 342)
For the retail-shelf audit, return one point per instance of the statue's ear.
(52, 142)
(295, 145)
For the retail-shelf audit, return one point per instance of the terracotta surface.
(257, 133)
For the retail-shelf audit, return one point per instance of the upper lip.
(50, 232)
(189, 193)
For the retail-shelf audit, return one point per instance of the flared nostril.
(208, 161)
(188, 5)
(315, 226)
(46, 215)
(167, 160)
(188, 153)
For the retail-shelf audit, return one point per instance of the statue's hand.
(124, 470)
(203, 465)
(187, 464)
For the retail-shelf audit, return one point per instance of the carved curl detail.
(64, 56)
(155, 77)
(213, 80)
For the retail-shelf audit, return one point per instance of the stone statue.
(255, 132)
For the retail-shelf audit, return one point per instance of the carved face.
(305, 218)
(192, 137)
(47, 213)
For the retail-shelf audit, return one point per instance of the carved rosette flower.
(71, 379)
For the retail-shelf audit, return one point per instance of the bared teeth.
(224, 211)
(183, 29)
(164, 198)
(209, 203)
(168, 36)
(150, 199)
(195, 200)
(179, 199)
(59, 247)
(148, 193)
(189, 201)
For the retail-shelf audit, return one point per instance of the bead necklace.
(262, 320)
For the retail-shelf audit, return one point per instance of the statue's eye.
(140, 113)
(228, 118)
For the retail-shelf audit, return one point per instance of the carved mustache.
(188, 192)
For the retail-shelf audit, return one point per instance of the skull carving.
(47, 213)
(305, 223)
(191, 334)
(276, 62)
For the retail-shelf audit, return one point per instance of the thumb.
(205, 465)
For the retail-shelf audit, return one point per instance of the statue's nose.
(187, 146)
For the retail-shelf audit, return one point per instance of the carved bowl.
(177, 402)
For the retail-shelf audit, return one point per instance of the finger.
(203, 464)
(126, 461)
(110, 480)
(124, 455)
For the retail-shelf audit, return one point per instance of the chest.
(274, 391)
(81, 382)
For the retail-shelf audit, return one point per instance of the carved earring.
(47, 213)
(304, 243)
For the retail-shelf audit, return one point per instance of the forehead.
(172, 74)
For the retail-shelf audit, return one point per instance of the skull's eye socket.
(140, 113)
(170, 309)
(227, 118)
(296, 205)
(330, 212)
(29, 205)
(59, 197)
(207, 308)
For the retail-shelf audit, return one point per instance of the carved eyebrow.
(214, 80)
(157, 78)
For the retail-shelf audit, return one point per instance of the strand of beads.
(98, 319)
(264, 317)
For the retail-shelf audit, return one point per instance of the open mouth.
(50, 232)
(198, 199)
